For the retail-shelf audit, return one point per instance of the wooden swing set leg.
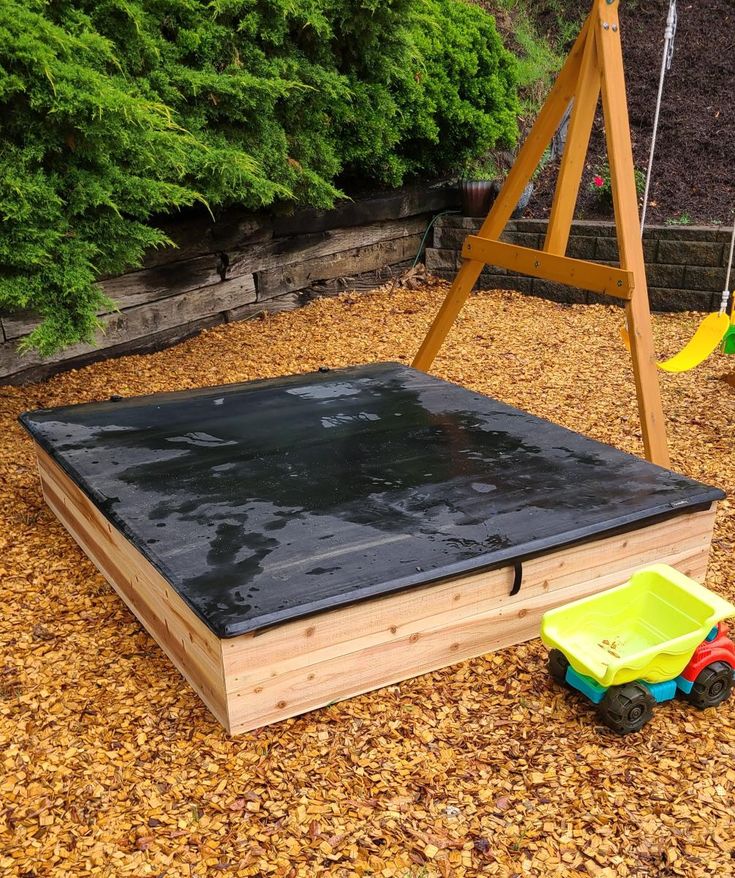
(578, 139)
(595, 64)
(630, 243)
(508, 197)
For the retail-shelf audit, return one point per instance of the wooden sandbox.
(296, 541)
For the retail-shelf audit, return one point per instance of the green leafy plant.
(537, 56)
(682, 220)
(481, 168)
(601, 184)
(117, 112)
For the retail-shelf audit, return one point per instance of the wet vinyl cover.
(266, 501)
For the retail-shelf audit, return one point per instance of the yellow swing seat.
(715, 327)
(702, 344)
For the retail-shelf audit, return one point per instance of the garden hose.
(426, 234)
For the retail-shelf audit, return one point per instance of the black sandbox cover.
(267, 501)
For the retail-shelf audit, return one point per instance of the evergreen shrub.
(116, 112)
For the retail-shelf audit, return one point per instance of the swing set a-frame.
(594, 66)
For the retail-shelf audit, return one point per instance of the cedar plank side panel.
(189, 644)
(390, 639)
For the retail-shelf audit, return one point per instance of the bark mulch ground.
(111, 765)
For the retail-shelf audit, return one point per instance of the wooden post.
(627, 222)
(575, 152)
(595, 64)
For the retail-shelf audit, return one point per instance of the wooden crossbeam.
(594, 67)
(580, 273)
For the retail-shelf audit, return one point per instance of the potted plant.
(482, 180)
(479, 185)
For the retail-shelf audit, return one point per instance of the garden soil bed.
(693, 176)
(112, 766)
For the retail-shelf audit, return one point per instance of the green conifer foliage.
(115, 112)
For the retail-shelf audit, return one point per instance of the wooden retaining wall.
(280, 263)
(274, 264)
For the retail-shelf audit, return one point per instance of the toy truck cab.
(640, 643)
(708, 678)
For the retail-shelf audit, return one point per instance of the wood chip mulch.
(112, 766)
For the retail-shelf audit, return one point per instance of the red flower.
(598, 181)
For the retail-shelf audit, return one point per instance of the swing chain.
(711, 333)
(672, 20)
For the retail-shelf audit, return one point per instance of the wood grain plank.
(289, 302)
(358, 283)
(189, 644)
(409, 201)
(252, 680)
(427, 649)
(298, 249)
(287, 278)
(132, 301)
(304, 665)
(143, 320)
(259, 255)
(196, 234)
(627, 222)
(146, 343)
(579, 273)
(251, 676)
(166, 282)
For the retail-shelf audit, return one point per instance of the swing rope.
(726, 292)
(716, 328)
(672, 20)
(728, 339)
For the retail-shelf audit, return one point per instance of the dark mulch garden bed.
(694, 176)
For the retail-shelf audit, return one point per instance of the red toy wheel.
(712, 686)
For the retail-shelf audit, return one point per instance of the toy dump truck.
(642, 642)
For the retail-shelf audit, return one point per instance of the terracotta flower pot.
(477, 196)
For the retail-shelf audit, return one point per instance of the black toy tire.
(712, 686)
(558, 664)
(626, 708)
